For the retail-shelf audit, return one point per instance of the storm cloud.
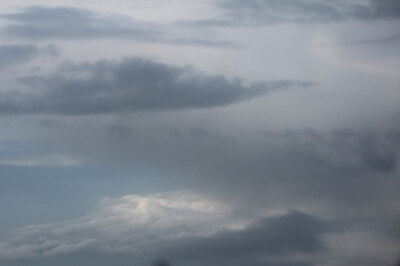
(130, 85)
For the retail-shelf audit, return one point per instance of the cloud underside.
(264, 12)
(129, 85)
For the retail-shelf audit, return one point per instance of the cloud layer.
(181, 226)
(130, 224)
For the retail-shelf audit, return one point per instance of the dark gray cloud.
(285, 235)
(261, 12)
(375, 151)
(130, 85)
(14, 54)
(40, 22)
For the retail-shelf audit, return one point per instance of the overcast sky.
(202, 132)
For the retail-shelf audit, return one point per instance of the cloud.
(267, 12)
(183, 227)
(130, 85)
(128, 225)
(372, 150)
(345, 172)
(40, 22)
(14, 54)
(352, 170)
(179, 226)
(292, 233)
(68, 23)
(321, 173)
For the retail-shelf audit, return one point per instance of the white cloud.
(127, 224)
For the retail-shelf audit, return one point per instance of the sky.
(203, 132)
